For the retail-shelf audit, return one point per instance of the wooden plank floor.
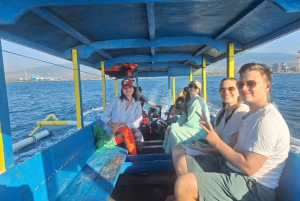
(152, 187)
(146, 192)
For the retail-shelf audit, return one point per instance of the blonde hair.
(263, 69)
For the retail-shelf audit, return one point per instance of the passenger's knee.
(186, 183)
(178, 151)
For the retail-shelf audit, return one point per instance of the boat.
(162, 38)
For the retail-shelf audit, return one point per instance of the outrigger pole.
(6, 152)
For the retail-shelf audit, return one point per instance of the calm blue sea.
(32, 102)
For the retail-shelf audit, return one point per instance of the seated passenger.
(177, 108)
(187, 127)
(251, 170)
(123, 115)
(174, 113)
(183, 93)
(143, 99)
(227, 125)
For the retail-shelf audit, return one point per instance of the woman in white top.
(227, 125)
(122, 117)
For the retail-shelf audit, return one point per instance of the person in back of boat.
(123, 116)
(174, 113)
(227, 124)
(144, 100)
(173, 116)
(187, 128)
(177, 108)
(183, 93)
(251, 170)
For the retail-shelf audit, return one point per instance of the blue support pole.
(6, 151)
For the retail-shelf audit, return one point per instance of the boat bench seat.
(69, 170)
(98, 177)
(289, 183)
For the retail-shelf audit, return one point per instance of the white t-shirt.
(266, 133)
(224, 131)
(233, 124)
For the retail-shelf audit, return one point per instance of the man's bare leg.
(179, 160)
(186, 188)
(180, 165)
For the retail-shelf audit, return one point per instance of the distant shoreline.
(18, 81)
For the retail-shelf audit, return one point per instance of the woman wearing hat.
(123, 116)
(187, 127)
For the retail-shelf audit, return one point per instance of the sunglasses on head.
(250, 83)
(230, 89)
(192, 85)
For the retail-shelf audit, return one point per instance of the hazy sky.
(287, 44)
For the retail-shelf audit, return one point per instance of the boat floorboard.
(136, 187)
(146, 192)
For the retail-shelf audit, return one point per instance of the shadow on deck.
(134, 187)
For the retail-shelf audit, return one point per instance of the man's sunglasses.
(250, 83)
(192, 85)
(230, 89)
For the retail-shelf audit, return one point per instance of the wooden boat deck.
(154, 186)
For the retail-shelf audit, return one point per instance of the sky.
(289, 44)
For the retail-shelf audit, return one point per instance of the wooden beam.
(84, 51)
(245, 15)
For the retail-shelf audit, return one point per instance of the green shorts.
(216, 181)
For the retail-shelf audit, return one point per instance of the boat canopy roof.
(164, 37)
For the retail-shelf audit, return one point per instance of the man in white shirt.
(251, 170)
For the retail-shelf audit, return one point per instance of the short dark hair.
(263, 69)
(140, 89)
(186, 89)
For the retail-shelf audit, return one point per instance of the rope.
(45, 62)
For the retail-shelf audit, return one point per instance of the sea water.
(30, 102)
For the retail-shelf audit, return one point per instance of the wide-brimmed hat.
(197, 83)
(127, 83)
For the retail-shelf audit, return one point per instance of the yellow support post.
(173, 90)
(230, 60)
(103, 85)
(204, 77)
(76, 72)
(116, 87)
(191, 76)
(2, 156)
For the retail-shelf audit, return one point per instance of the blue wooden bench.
(69, 170)
(288, 189)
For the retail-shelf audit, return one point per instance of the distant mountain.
(67, 73)
(265, 58)
(64, 70)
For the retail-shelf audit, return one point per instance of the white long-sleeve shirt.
(116, 112)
